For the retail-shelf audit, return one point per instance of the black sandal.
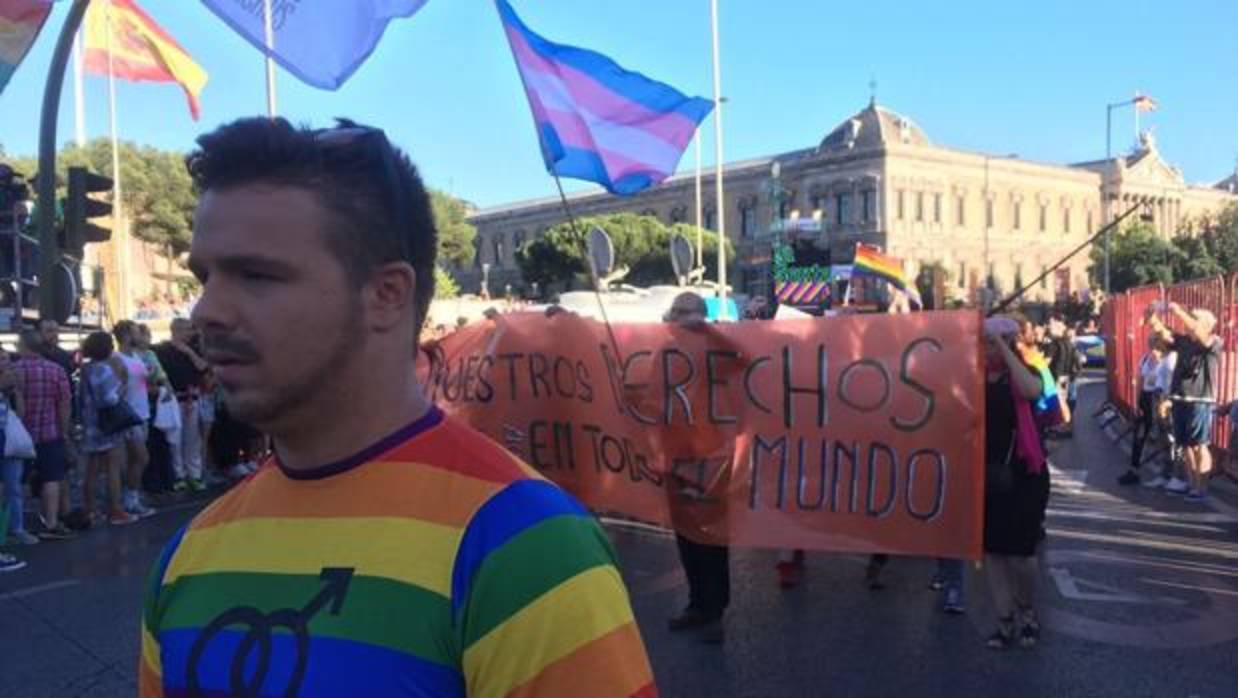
(1003, 637)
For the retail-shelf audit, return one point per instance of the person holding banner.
(1016, 482)
(707, 567)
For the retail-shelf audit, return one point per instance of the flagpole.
(721, 205)
(79, 99)
(700, 231)
(120, 237)
(269, 29)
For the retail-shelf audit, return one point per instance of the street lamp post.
(1141, 102)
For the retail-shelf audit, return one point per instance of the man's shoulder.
(460, 449)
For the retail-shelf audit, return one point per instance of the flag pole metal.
(79, 93)
(46, 182)
(700, 232)
(720, 208)
(269, 31)
(597, 291)
(120, 234)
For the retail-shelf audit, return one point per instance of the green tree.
(642, 243)
(444, 285)
(455, 233)
(1138, 256)
(157, 193)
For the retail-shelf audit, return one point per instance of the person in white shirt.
(137, 394)
(1151, 392)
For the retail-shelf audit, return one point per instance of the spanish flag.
(141, 50)
(871, 262)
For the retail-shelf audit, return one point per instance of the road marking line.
(39, 589)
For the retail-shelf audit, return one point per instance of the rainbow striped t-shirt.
(432, 563)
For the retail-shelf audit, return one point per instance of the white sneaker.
(8, 563)
(251, 467)
(1176, 486)
(1155, 482)
(138, 509)
(238, 472)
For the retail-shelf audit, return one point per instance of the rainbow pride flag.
(20, 24)
(869, 261)
(1048, 407)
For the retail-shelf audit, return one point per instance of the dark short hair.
(355, 191)
(124, 328)
(97, 346)
(30, 338)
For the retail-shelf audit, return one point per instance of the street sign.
(681, 257)
(601, 252)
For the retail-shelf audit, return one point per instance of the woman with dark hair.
(103, 378)
(1016, 479)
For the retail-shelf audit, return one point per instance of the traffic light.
(79, 208)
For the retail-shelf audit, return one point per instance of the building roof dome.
(873, 127)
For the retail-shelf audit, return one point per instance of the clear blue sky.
(1001, 77)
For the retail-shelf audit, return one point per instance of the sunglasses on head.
(350, 144)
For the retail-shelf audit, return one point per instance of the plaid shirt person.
(45, 387)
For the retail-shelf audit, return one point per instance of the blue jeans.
(950, 572)
(10, 474)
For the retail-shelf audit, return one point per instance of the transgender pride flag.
(597, 121)
(20, 22)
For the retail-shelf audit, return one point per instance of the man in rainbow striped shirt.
(385, 549)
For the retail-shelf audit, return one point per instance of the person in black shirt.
(1193, 389)
(186, 372)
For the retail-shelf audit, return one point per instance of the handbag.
(167, 412)
(17, 441)
(114, 419)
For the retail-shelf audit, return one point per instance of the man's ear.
(390, 296)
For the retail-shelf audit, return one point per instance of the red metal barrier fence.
(1126, 337)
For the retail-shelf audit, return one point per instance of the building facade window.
(919, 207)
(1018, 215)
(866, 205)
(477, 253)
(1018, 276)
(842, 209)
(518, 240)
(710, 219)
(962, 211)
(1091, 229)
(784, 210)
(1044, 276)
(962, 275)
(937, 208)
(496, 247)
(1066, 220)
(900, 199)
(1044, 218)
(747, 221)
(988, 217)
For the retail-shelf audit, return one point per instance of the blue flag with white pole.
(322, 43)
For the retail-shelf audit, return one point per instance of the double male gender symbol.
(243, 684)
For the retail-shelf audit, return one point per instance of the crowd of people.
(122, 418)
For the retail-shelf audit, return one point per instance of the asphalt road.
(1139, 592)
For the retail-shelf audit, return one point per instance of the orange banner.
(860, 433)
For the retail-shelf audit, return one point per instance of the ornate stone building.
(878, 179)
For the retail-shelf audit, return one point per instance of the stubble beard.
(272, 410)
